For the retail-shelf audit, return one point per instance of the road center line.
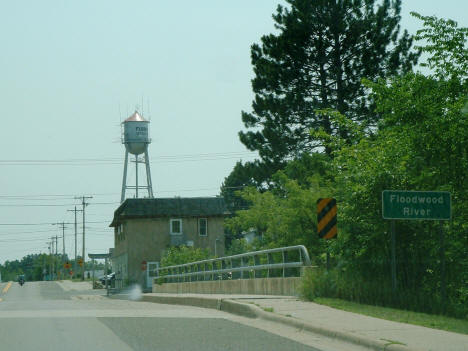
(5, 289)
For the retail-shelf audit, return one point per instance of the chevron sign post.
(326, 218)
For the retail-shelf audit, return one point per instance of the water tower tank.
(136, 137)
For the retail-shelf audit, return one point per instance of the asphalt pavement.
(71, 316)
(374, 333)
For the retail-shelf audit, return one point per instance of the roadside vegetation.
(183, 254)
(329, 119)
(39, 266)
(403, 316)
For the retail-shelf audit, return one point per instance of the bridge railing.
(278, 262)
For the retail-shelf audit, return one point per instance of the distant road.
(45, 316)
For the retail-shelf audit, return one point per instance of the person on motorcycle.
(21, 279)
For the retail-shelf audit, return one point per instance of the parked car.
(110, 278)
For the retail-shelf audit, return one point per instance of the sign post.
(393, 239)
(417, 205)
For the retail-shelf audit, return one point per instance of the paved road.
(52, 316)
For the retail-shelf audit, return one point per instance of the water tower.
(136, 141)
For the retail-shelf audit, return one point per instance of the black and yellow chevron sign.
(326, 218)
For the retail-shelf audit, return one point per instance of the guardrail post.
(223, 266)
(270, 261)
(242, 265)
(284, 261)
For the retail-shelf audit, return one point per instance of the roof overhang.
(99, 256)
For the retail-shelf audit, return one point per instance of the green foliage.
(31, 266)
(241, 176)
(284, 216)
(239, 246)
(317, 283)
(351, 285)
(446, 45)
(177, 255)
(419, 143)
(316, 61)
(183, 254)
(402, 316)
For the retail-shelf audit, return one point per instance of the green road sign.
(402, 204)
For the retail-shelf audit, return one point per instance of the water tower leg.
(136, 176)
(124, 180)
(148, 175)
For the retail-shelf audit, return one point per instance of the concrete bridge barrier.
(288, 286)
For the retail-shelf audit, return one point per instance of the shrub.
(184, 254)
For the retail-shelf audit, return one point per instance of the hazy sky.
(70, 71)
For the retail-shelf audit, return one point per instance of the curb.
(253, 311)
(204, 302)
(344, 336)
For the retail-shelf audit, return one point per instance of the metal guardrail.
(256, 264)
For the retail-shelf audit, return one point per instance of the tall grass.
(351, 286)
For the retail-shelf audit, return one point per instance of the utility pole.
(53, 239)
(84, 204)
(76, 233)
(43, 267)
(63, 225)
(56, 255)
(50, 256)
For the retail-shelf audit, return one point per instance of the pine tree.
(316, 61)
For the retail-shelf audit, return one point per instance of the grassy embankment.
(402, 316)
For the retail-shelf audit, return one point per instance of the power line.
(54, 205)
(20, 240)
(5, 238)
(46, 197)
(110, 161)
(29, 232)
(71, 196)
(46, 223)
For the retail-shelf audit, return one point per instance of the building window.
(176, 226)
(202, 226)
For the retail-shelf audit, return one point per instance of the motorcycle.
(21, 282)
